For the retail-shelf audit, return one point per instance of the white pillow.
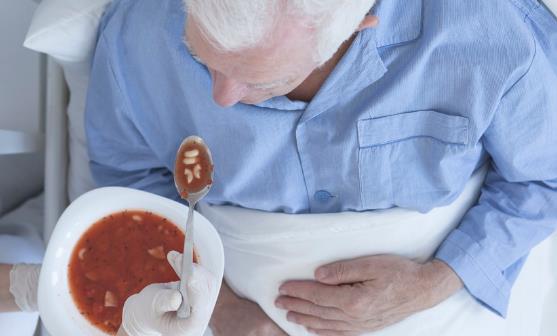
(65, 29)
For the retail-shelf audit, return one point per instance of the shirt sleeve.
(118, 153)
(517, 208)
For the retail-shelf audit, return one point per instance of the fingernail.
(282, 291)
(290, 318)
(322, 273)
(279, 304)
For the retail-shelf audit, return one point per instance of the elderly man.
(315, 107)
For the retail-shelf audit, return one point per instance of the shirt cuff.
(475, 267)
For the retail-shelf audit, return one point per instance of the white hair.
(233, 25)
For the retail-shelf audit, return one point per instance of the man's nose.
(226, 92)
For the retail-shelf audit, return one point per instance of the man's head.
(259, 49)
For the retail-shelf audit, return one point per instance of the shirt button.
(322, 196)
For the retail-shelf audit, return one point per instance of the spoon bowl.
(193, 197)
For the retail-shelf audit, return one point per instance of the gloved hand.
(24, 284)
(153, 310)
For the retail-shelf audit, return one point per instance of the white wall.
(20, 96)
(19, 68)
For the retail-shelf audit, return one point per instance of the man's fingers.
(309, 321)
(309, 308)
(379, 324)
(167, 300)
(323, 332)
(318, 293)
(350, 271)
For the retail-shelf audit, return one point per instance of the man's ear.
(369, 21)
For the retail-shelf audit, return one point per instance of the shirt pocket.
(406, 159)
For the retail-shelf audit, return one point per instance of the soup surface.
(116, 258)
(193, 169)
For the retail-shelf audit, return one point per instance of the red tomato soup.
(116, 258)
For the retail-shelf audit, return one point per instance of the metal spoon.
(184, 311)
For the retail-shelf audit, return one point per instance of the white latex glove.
(24, 284)
(153, 310)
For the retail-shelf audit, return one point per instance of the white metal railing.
(56, 153)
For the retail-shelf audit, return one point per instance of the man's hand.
(234, 316)
(366, 294)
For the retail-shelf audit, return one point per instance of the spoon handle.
(184, 310)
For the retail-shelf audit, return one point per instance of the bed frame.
(56, 147)
(56, 150)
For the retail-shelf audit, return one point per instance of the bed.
(66, 174)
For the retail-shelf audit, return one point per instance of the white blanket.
(262, 250)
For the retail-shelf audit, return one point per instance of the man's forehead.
(283, 54)
(288, 33)
(278, 26)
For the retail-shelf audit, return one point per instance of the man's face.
(253, 75)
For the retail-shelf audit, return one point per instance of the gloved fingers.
(202, 288)
(201, 279)
(166, 300)
(175, 260)
(137, 318)
(24, 284)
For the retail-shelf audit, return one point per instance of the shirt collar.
(361, 66)
(283, 103)
(400, 21)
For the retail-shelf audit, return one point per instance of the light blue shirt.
(411, 111)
